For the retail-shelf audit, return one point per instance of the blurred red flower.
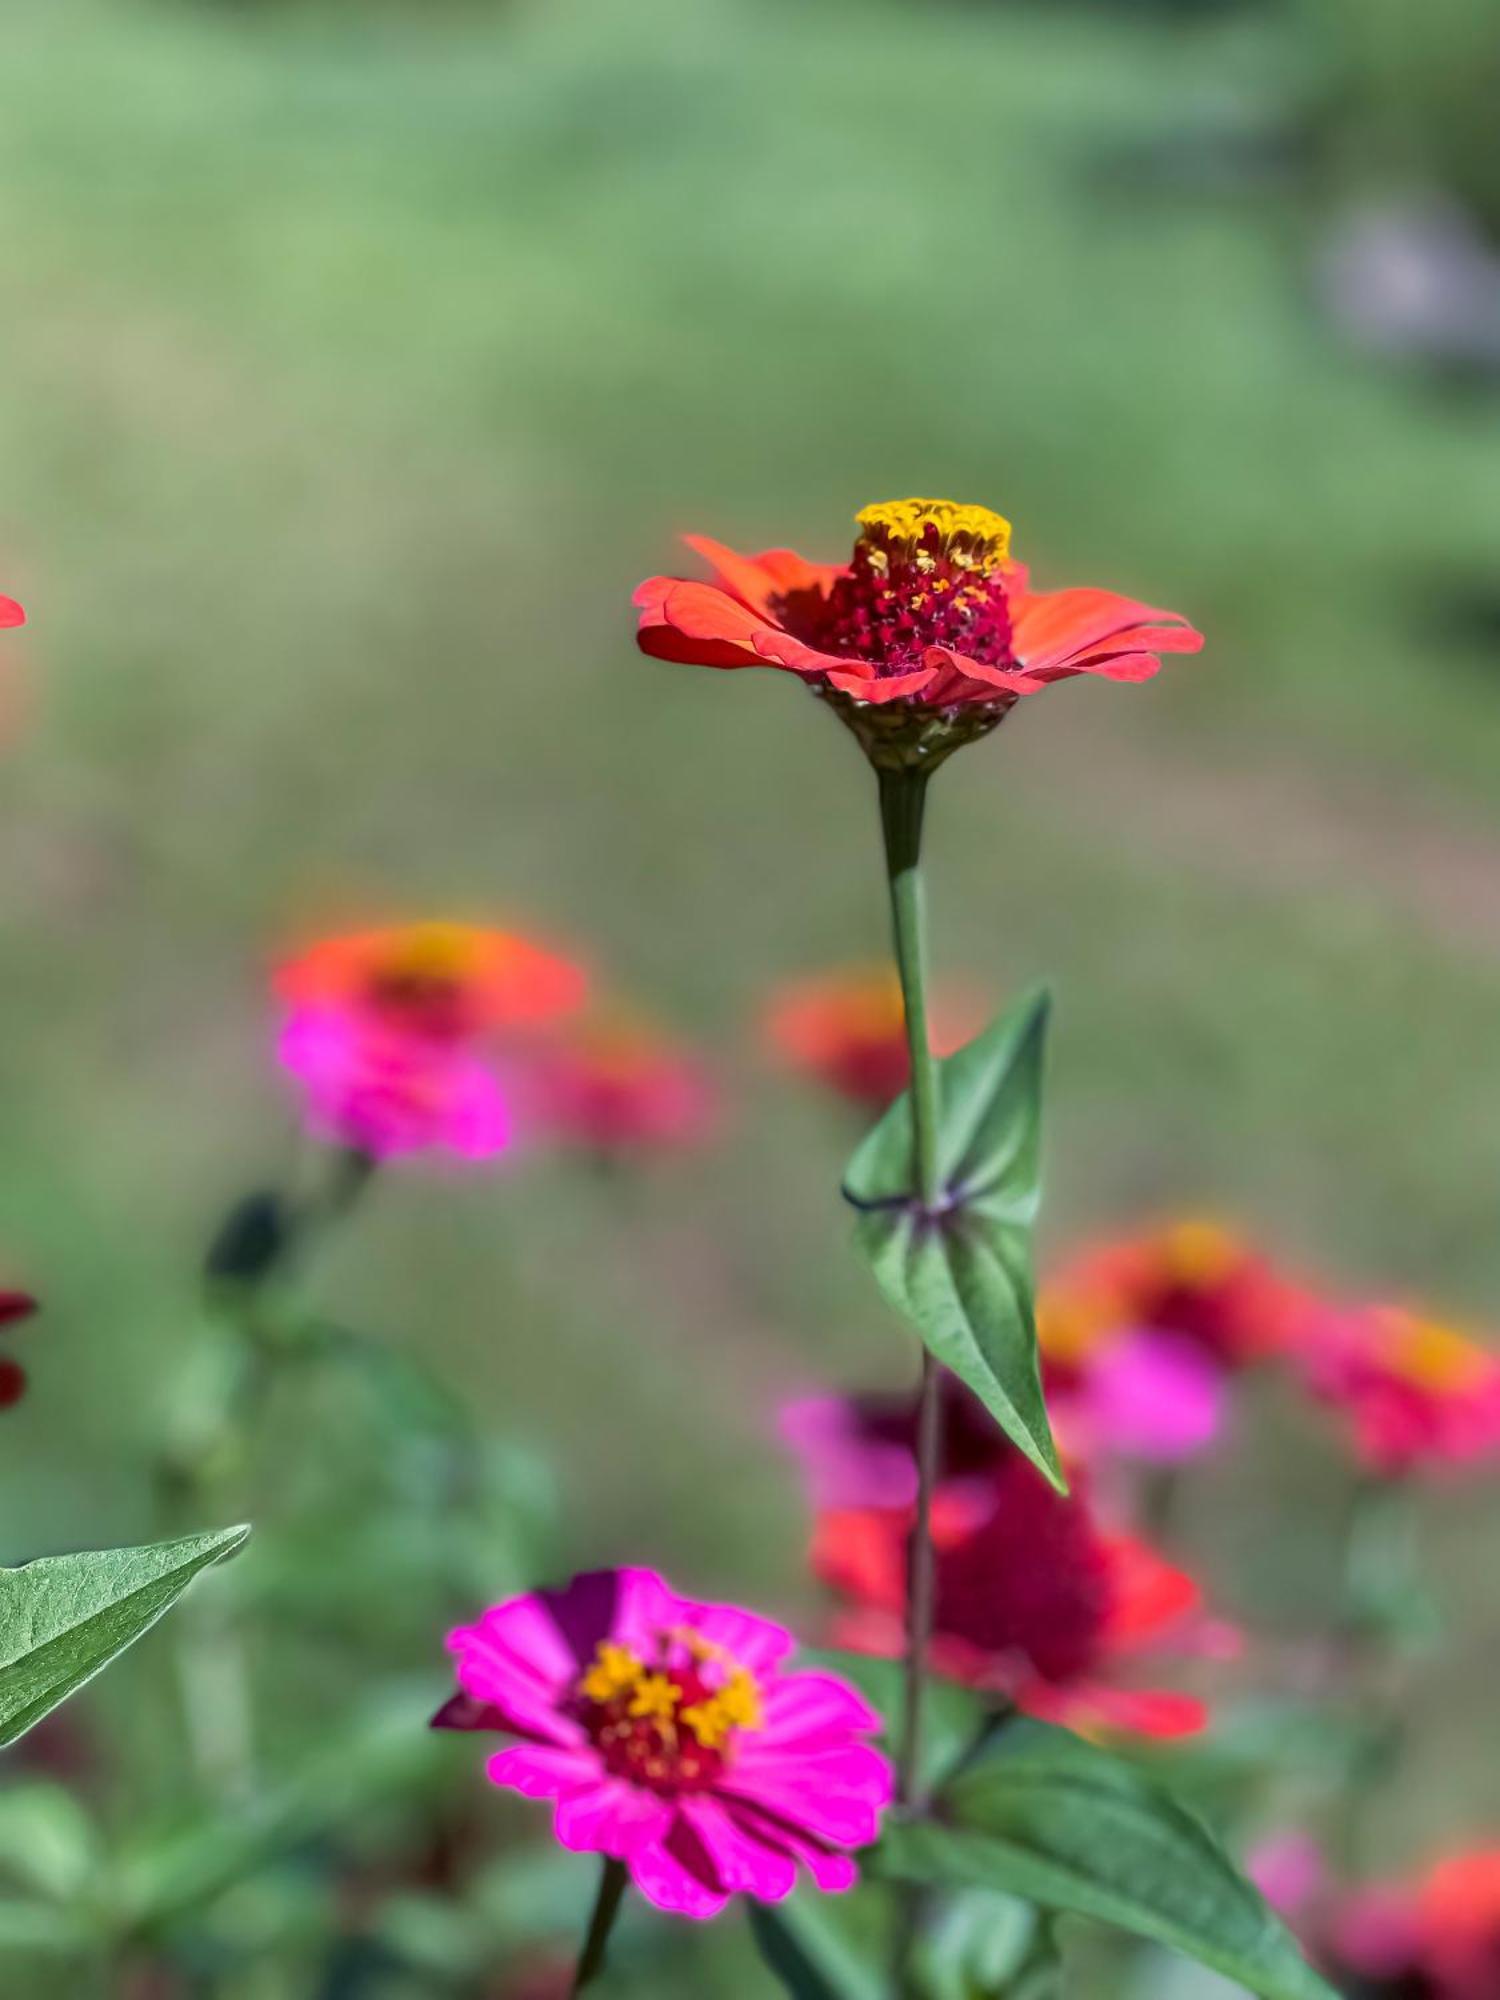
(1415, 1392)
(617, 1085)
(390, 1032)
(11, 612)
(929, 611)
(847, 1029)
(14, 1306)
(1036, 1601)
(1436, 1940)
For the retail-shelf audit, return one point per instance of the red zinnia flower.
(1436, 1940)
(11, 612)
(441, 981)
(848, 1029)
(1194, 1280)
(1035, 1600)
(929, 611)
(1415, 1392)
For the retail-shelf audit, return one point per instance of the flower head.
(390, 1033)
(1437, 1939)
(617, 1085)
(1035, 1601)
(848, 1030)
(11, 612)
(672, 1738)
(930, 614)
(14, 1306)
(1414, 1391)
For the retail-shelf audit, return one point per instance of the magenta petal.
(836, 1797)
(677, 1875)
(542, 1771)
(799, 1706)
(745, 1863)
(612, 1817)
(1154, 1397)
(757, 1643)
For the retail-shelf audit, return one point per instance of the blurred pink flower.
(1415, 1393)
(1290, 1871)
(616, 1085)
(392, 1033)
(1141, 1337)
(384, 1095)
(671, 1739)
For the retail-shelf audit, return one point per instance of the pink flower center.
(670, 1723)
(923, 573)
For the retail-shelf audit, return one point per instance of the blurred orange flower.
(439, 980)
(847, 1029)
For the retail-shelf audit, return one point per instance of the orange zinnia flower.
(441, 981)
(848, 1029)
(929, 612)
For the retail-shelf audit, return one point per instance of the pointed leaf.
(825, 1947)
(1050, 1818)
(962, 1274)
(65, 1617)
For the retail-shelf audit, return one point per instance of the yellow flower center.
(920, 534)
(668, 1722)
(1200, 1253)
(1434, 1357)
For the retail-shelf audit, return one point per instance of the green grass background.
(355, 364)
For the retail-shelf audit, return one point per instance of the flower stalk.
(613, 1880)
(903, 797)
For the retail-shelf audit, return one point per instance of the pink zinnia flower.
(670, 1738)
(1142, 1336)
(1415, 1392)
(392, 1033)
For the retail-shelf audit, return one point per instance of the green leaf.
(65, 1617)
(962, 1274)
(1047, 1817)
(825, 1947)
(48, 1843)
(976, 1944)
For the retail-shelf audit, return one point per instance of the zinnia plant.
(673, 1741)
(924, 641)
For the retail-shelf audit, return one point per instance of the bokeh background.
(356, 361)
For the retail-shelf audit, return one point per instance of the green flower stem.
(613, 1881)
(203, 1474)
(903, 795)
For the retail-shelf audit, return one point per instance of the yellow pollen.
(431, 951)
(970, 537)
(1200, 1253)
(655, 1696)
(616, 1671)
(1435, 1357)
